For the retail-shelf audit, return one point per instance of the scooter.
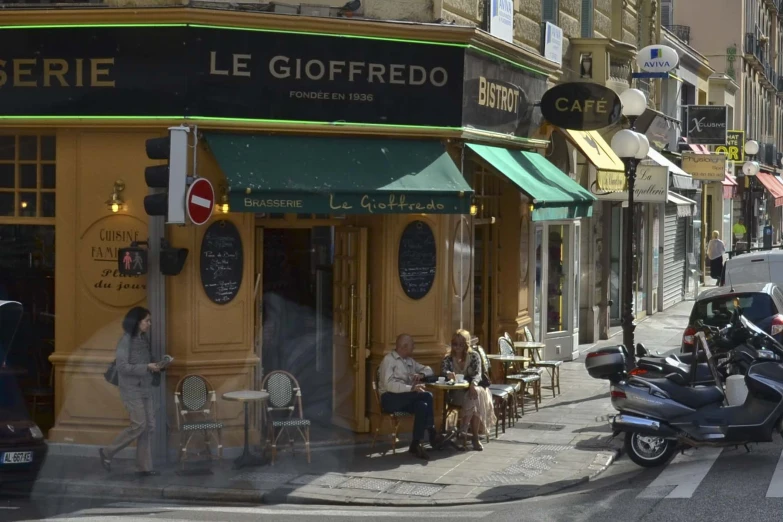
(658, 416)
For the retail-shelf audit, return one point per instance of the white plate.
(17, 457)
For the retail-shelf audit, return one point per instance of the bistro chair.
(196, 407)
(41, 392)
(529, 380)
(503, 395)
(393, 418)
(552, 367)
(284, 410)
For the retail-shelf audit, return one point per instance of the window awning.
(680, 179)
(309, 175)
(773, 186)
(685, 206)
(729, 187)
(554, 195)
(610, 171)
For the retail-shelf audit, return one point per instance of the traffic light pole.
(156, 300)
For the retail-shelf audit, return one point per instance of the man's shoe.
(419, 452)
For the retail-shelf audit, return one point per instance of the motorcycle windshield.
(10, 317)
(753, 328)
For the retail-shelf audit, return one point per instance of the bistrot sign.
(581, 106)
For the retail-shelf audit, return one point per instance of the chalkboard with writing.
(221, 262)
(417, 259)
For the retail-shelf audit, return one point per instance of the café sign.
(375, 203)
(581, 106)
(704, 167)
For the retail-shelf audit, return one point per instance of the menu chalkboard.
(417, 259)
(221, 262)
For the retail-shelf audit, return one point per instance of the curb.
(52, 487)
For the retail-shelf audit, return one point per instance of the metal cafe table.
(246, 397)
(529, 346)
(445, 388)
(506, 360)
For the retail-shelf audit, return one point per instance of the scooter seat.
(695, 397)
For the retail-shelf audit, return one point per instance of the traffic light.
(172, 176)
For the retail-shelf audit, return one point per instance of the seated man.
(401, 388)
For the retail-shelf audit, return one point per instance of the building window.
(551, 11)
(27, 176)
(587, 18)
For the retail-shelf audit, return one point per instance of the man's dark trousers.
(417, 403)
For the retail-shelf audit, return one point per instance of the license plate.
(18, 457)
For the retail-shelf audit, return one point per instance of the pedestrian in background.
(135, 369)
(715, 251)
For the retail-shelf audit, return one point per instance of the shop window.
(27, 176)
(557, 285)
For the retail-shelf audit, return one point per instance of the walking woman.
(715, 251)
(475, 402)
(135, 370)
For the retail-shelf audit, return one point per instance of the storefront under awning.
(773, 186)
(685, 206)
(610, 171)
(554, 195)
(324, 175)
(681, 180)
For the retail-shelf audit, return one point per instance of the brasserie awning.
(327, 175)
(554, 195)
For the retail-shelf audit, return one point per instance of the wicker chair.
(503, 395)
(196, 403)
(529, 380)
(552, 367)
(393, 418)
(284, 410)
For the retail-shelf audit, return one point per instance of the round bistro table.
(246, 397)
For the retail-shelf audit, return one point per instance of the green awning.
(314, 175)
(554, 195)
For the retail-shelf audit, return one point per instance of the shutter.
(667, 13)
(551, 9)
(674, 256)
(587, 18)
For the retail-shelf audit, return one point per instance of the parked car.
(22, 446)
(761, 303)
(755, 267)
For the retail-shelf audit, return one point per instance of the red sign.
(200, 201)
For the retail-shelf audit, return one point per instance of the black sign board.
(500, 97)
(417, 259)
(222, 262)
(706, 124)
(132, 261)
(228, 73)
(581, 106)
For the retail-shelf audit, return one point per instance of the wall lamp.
(224, 207)
(116, 203)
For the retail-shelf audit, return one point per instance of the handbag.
(111, 375)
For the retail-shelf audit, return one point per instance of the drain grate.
(329, 480)
(415, 489)
(369, 484)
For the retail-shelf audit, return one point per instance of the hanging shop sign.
(705, 167)
(500, 97)
(652, 186)
(581, 106)
(735, 146)
(657, 59)
(228, 73)
(706, 124)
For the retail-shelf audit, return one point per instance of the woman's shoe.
(477, 444)
(105, 461)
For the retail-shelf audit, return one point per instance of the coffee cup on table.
(441, 380)
(460, 377)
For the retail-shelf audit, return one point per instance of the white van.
(755, 267)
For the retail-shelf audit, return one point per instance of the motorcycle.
(658, 416)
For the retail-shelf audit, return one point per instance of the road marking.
(776, 484)
(306, 512)
(682, 475)
(202, 202)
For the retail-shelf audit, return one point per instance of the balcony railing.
(754, 49)
(683, 32)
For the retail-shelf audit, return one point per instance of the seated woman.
(476, 401)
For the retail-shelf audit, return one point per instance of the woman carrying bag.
(715, 251)
(136, 374)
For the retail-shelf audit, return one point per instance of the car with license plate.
(22, 446)
(761, 303)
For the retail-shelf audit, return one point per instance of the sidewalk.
(565, 443)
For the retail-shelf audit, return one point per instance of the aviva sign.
(657, 59)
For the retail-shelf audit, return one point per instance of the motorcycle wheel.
(648, 451)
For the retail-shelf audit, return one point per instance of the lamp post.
(750, 168)
(631, 147)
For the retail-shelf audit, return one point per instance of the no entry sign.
(200, 201)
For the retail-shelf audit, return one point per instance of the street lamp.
(631, 147)
(750, 168)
